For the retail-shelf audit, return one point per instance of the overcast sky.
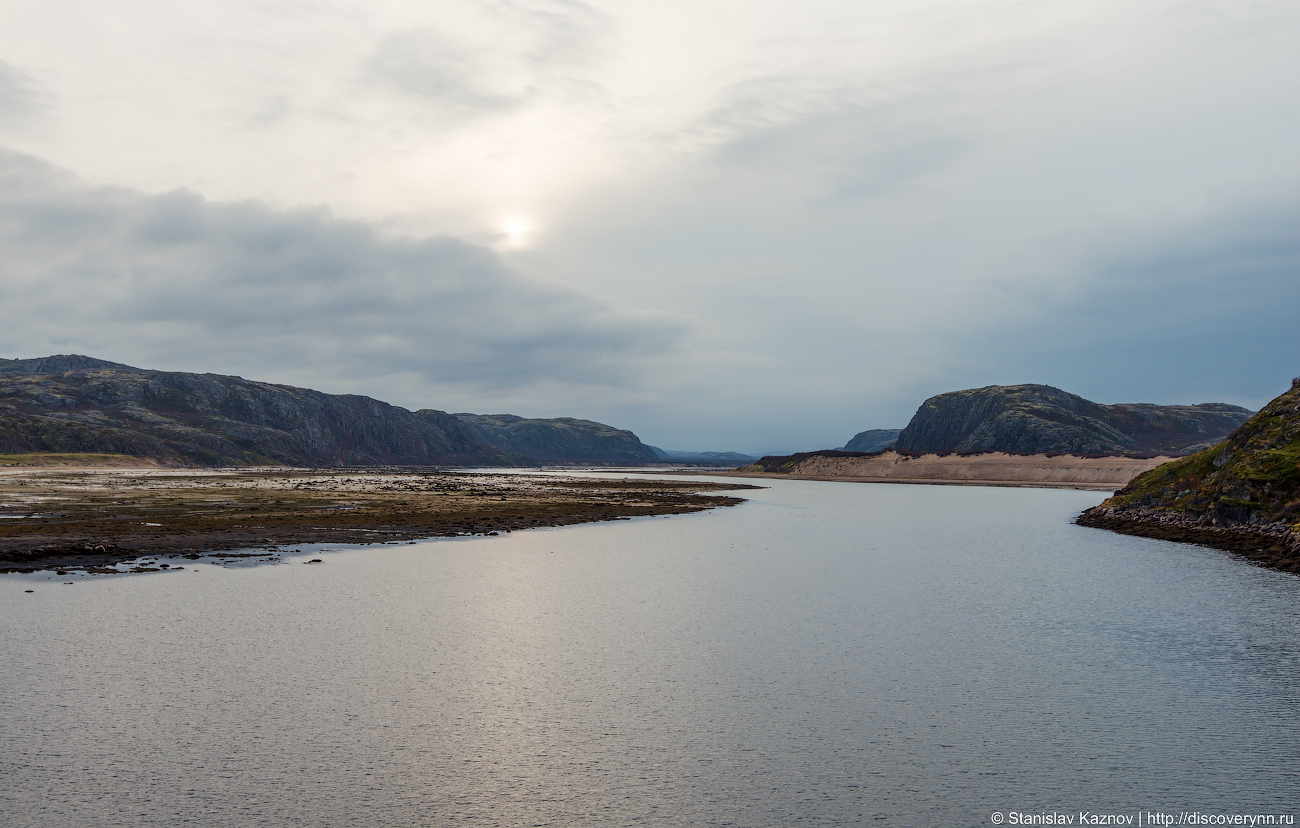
(750, 226)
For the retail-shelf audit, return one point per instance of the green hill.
(1242, 494)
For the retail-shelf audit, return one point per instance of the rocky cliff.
(1242, 494)
(71, 403)
(876, 439)
(561, 440)
(1034, 419)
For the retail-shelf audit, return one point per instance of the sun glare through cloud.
(771, 186)
(517, 231)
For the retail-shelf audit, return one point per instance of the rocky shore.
(1241, 495)
(92, 519)
(1272, 544)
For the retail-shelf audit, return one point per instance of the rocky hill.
(71, 403)
(876, 439)
(1034, 419)
(1242, 494)
(561, 440)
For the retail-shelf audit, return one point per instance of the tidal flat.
(93, 519)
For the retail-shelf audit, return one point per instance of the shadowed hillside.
(1034, 419)
(560, 440)
(78, 404)
(876, 439)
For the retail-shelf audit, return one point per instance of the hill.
(876, 439)
(1242, 494)
(727, 459)
(560, 440)
(72, 403)
(1040, 419)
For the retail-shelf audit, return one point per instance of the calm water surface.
(826, 654)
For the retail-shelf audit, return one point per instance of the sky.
(758, 227)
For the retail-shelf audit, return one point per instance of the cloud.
(1199, 308)
(487, 57)
(19, 97)
(174, 280)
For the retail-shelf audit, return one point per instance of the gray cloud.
(174, 280)
(507, 55)
(1198, 310)
(19, 97)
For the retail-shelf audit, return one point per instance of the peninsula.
(92, 519)
(1242, 494)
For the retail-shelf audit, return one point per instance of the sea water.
(824, 654)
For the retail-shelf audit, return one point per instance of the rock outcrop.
(1034, 419)
(72, 403)
(560, 440)
(1242, 494)
(875, 439)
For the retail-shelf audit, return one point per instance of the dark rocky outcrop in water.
(1033, 419)
(76, 404)
(876, 439)
(1242, 494)
(560, 440)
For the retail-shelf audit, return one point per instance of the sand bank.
(989, 469)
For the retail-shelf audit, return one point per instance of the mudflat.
(91, 518)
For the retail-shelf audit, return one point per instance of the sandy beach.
(988, 469)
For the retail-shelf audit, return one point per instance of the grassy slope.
(1253, 476)
(1242, 494)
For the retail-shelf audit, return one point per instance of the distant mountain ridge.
(560, 440)
(875, 439)
(729, 459)
(71, 403)
(1040, 419)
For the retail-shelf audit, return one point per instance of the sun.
(517, 230)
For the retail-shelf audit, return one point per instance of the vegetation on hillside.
(1251, 477)
(1242, 494)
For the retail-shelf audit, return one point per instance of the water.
(826, 654)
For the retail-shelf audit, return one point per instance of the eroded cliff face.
(560, 440)
(79, 404)
(1033, 419)
(1242, 494)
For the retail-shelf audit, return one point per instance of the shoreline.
(1060, 471)
(921, 481)
(91, 519)
(1272, 545)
